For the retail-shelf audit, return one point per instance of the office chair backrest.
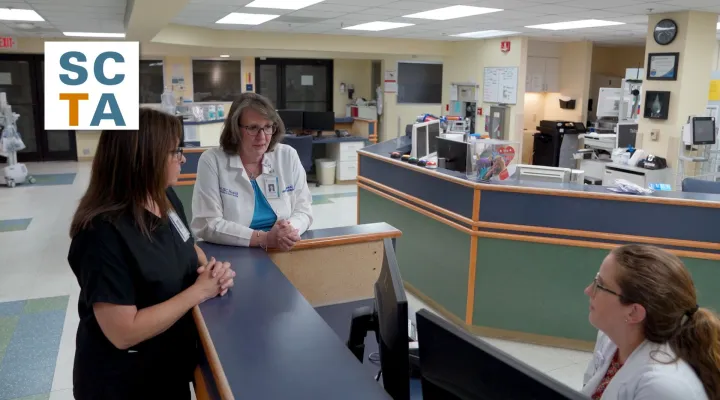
(700, 186)
(303, 145)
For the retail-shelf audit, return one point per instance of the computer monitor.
(420, 140)
(454, 152)
(293, 119)
(626, 135)
(320, 121)
(457, 365)
(389, 321)
(703, 130)
(433, 134)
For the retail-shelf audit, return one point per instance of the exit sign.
(7, 42)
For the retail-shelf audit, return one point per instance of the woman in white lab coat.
(654, 343)
(252, 190)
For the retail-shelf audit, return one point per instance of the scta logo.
(92, 85)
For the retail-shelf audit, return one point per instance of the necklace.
(251, 174)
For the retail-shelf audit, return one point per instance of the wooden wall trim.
(221, 381)
(421, 202)
(184, 183)
(472, 268)
(586, 244)
(188, 176)
(195, 149)
(601, 235)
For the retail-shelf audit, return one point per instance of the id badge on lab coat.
(272, 187)
(179, 226)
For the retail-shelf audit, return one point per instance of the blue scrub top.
(264, 217)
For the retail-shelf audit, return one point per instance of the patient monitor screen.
(703, 131)
(422, 141)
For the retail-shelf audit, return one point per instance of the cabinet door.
(535, 81)
(552, 75)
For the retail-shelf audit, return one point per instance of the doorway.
(22, 79)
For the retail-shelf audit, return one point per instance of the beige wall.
(613, 61)
(688, 94)
(350, 72)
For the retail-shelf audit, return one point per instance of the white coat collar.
(267, 162)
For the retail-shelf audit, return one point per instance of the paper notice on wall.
(453, 92)
(714, 94)
(391, 85)
(177, 77)
(306, 80)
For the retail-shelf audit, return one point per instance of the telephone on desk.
(341, 133)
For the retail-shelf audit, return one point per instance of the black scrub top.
(115, 263)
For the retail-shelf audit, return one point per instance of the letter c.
(100, 65)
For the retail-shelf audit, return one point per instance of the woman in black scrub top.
(139, 270)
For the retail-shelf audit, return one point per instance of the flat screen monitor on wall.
(419, 83)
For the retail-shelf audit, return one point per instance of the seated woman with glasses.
(252, 191)
(654, 342)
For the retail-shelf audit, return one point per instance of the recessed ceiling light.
(378, 26)
(14, 14)
(452, 12)
(246, 19)
(585, 23)
(718, 26)
(95, 34)
(283, 4)
(224, 55)
(486, 34)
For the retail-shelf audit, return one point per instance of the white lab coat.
(224, 200)
(642, 377)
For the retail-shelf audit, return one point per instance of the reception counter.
(266, 340)
(511, 260)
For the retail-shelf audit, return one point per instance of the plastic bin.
(325, 169)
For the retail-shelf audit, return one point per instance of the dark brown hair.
(659, 281)
(231, 136)
(129, 169)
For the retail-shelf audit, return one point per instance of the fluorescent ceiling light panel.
(95, 34)
(486, 34)
(378, 26)
(585, 23)
(224, 55)
(452, 12)
(283, 4)
(718, 26)
(14, 14)
(246, 19)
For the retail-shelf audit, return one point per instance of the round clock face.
(665, 32)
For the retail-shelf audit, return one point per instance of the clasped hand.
(283, 236)
(215, 278)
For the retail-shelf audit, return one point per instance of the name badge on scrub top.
(179, 226)
(272, 185)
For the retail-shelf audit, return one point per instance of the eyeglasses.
(177, 153)
(597, 285)
(253, 130)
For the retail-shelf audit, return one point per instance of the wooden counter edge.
(543, 191)
(343, 240)
(221, 381)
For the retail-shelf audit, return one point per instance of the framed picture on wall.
(657, 104)
(662, 66)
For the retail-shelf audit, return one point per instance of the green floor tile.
(46, 304)
(45, 396)
(321, 199)
(7, 327)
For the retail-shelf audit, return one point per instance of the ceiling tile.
(317, 14)
(343, 8)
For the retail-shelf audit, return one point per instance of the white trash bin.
(325, 169)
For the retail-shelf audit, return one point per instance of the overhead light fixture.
(224, 55)
(14, 14)
(718, 26)
(485, 34)
(95, 34)
(378, 26)
(585, 23)
(452, 12)
(246, 19)
(283, 4)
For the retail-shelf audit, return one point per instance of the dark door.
(21, 78)
(296, 84)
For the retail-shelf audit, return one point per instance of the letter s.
(67, 65)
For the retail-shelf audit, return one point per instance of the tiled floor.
(34, 266)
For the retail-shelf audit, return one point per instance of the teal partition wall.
(433, 257)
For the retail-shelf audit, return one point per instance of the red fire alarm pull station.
(479, 111)
(505, 46)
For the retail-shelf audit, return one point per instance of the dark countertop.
(385, 148)
(271, 342)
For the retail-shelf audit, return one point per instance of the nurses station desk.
(266, 338)
(511, 260)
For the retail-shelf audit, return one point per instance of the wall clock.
(665, 32)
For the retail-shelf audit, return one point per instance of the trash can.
(325, 169)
